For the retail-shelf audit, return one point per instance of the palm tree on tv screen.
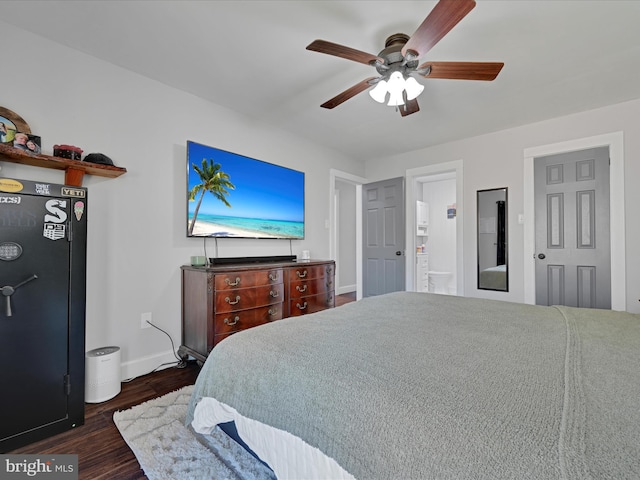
(212, 180)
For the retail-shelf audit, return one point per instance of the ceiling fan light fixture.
(398, 62)
(395, 85)
(379, 92)
(395, 99)
(413, 88)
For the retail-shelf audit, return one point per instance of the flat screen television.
(230, 195)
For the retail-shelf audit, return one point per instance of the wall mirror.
(493, 262)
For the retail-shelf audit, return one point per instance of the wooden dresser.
(218, 301)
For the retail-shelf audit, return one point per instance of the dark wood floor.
(345, 298)
(102, 453)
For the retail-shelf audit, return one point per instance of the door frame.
(412, 175)
(615, 142)
(333, 226)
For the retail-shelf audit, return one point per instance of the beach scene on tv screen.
(231, 195)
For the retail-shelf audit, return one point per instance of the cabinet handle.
(301, 307)
(274, 294)
(301, 275)
(273, 277)
(228, 300)
(273, 312)
(232, 284)
(235, 320)
(301, 289)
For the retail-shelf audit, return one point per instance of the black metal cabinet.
(43, 231)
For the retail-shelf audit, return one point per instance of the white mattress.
(287, 455)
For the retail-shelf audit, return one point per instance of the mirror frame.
(489, 278)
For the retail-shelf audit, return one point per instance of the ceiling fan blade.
(462, 70)
(341, 51)
(348, 93)
(444, 16)
(410, 106)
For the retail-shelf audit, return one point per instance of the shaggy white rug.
(166, 449)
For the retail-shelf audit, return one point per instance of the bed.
(419, 385)
(493, 278)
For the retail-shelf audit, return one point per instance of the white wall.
(137, 239)
(497, 160)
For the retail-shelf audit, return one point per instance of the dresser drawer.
(234, 280)
(244, 298)
(241, 320)
(303, 288)
(309, 272)
(311, 304)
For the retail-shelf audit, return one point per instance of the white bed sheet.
(288, 456)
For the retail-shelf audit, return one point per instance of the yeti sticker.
(54, 227)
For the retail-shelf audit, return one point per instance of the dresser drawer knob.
(302, 288)
(232, 322)
(301, 307)
(273, 311)
(274, 294)
(232, 284)
(301, 275)
(231, 302)
(273, 276)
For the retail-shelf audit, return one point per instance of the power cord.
(204, 247)
(179, 363)
(173, 347)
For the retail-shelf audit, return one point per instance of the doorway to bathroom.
(434, 229)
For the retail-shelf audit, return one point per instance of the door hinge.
(67, 384)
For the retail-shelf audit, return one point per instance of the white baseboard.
(345, 289)
(145, 365)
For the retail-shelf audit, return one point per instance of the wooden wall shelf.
(74, 169)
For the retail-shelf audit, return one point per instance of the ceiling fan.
(398, 62)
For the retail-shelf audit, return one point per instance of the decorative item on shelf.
(27, 142)
(98, 158)
(67, 151)
(10, 124)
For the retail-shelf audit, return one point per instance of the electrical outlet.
(144, 318)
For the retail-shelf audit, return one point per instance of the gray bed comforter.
(418, 386)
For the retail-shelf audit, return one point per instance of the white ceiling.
(560, 57)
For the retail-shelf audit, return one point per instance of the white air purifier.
(102, 374)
